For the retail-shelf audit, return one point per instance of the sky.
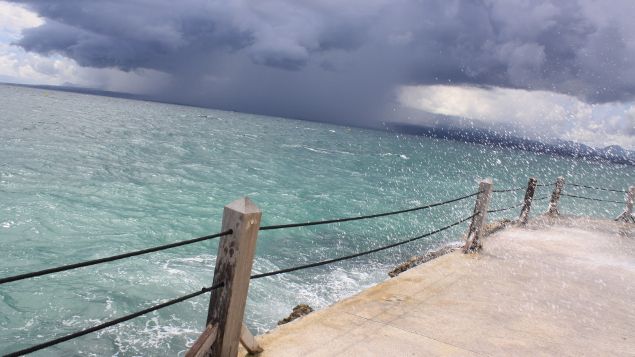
(558, 69)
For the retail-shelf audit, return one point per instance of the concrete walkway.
(564, 288)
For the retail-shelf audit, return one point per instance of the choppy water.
(83, 177)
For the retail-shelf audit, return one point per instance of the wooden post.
(248, 341)
(529, 197)
(472, 242)
(627, 215)
(555, 197)
(233, 269)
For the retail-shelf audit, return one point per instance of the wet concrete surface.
(557, 287)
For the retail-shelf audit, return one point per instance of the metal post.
(627, 215)
(472, 242)
(529, 197)
(233, 269)
(555, 197)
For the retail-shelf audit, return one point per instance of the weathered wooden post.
(529, 197)
(472, 242)
(627, 215)
(233, 269)
(555, 197)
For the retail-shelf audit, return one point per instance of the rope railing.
(200, 239)
(109, 259)
(356, 218)
(517, 205)
(509, 190)
(545, 184)
(558, 191)
(506, 208)
(351, 256)
(522, 188)
(521, 204)
(591, 199)
(131, 316)
(204, 290)
(598, 188)
(233, 237)
(109, 323)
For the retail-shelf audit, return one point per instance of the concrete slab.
(561, 287)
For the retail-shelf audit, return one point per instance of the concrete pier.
(556, 287)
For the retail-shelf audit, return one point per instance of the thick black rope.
(591, 199)
(109, 259)
(524, 188)
(111, 322)
(206, 290)
(516, 206)
(505, 209)
(325, 262)
(598, 188)
(545, 184)
(510, 190)
(339, 220)
(195, 240)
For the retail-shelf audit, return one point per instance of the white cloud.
(13, 19)
(19, 66)
(538, 113)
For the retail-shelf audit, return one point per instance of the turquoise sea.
(84, 177)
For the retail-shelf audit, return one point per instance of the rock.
(495, 226)
(298, 311)
(490, 228)
(416, 260)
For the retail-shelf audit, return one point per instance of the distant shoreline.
(613, 154)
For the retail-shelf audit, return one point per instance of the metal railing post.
(233, 269)
(472, 241)
(555, 197)
(529, 197)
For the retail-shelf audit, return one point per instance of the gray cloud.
(340, 61)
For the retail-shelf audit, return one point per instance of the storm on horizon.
(555, 69)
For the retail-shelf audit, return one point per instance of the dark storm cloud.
(341, 60)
